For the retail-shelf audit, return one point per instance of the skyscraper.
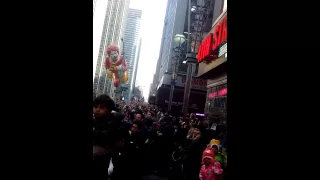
(174, 24)
(189, 20)
(113, 31)
(132, 45)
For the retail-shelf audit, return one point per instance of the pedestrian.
(139, 118)
(164, 146)
(211, 169)
(193, 148)
(148, 114)
(149, 135)
(216, 146)
(126, 161)
(105, 128)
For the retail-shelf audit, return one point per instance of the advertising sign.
(197, 83)
(209, 48)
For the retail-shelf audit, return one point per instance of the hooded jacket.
(105, 131)
(209, 172)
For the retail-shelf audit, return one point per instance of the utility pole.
(178, 39)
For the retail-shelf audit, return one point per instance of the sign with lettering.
(209, 48)
(196, 83)
(219, 93)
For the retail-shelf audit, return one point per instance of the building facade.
(175, 19)
(174, 23)
(177, 22)
(132, 45)
(213, 61)
(112, 32)
(135, 68)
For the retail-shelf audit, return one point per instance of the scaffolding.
(200, 21)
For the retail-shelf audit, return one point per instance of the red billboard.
(209, 47)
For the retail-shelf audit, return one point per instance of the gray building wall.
(135, 71)
(132, 46)
(174, 24)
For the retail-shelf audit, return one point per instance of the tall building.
(135, 69)
(132, 44)
(213, 65)
(112, 32)
(174, 24)
(177, 22)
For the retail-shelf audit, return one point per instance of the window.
(216, 98)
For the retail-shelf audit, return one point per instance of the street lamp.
(178, 40)
(191, 61)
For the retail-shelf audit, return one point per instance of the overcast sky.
(153, 14)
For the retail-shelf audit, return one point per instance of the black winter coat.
(106, 131)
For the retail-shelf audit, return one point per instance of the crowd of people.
(132, 141)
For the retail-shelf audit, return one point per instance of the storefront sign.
(209, 48)
(196, 83)
(222, 92)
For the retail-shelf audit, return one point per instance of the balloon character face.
(114, 56)
(114, 62)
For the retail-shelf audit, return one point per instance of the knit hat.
(215, 142)
(208, 153)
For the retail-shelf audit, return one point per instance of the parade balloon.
(116, 65)
(124, 77)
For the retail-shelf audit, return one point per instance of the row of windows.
(217, 97)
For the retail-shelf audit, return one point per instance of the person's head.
(138, 117)
(215, 145)
(102, 106)
(148, 114)
(134, 128)
(207, 161)
(192, 116)
(196, 132)
(208, 156)
(215, 148)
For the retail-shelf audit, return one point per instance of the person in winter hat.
(215, 144)
(105, 128)
(211, 169)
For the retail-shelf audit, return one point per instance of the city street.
(160, 89)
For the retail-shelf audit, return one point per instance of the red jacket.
(210, 172)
